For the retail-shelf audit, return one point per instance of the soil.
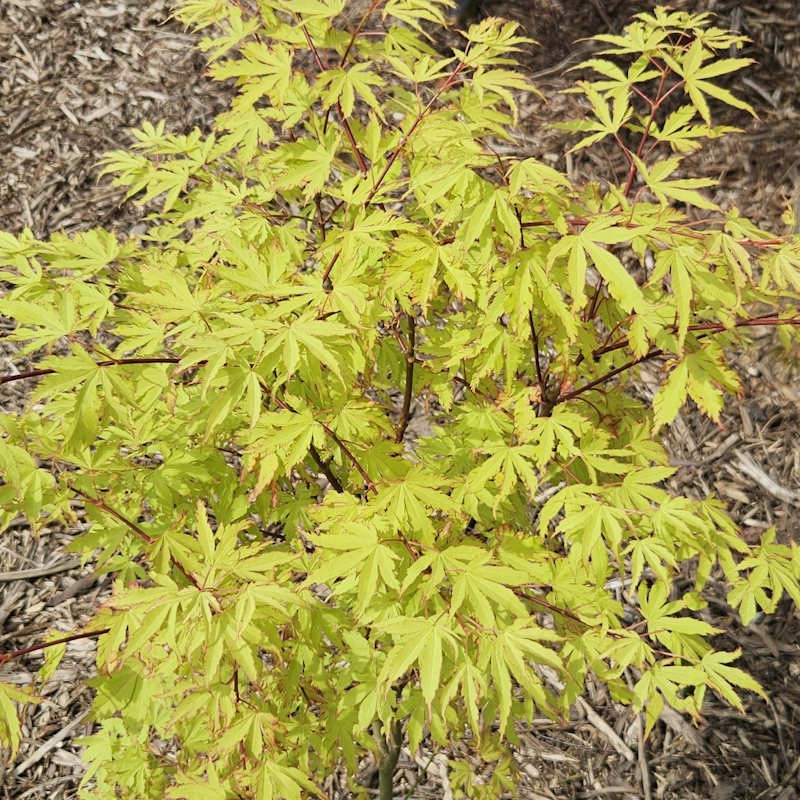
(74, 77)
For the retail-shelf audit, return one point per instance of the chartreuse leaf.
(10, 730)
(343, 86)
(52, 657)
(680, 189)
(422, 641)
(592, 244)
(508, 654)
(304, 339)
(657, 554)
(261, 69)
(696, 78)
(39, 326)
(412, 501)
(274, 780)
(360, 553)
(724, 680)
(702, 375)
(671, 396)
(674, 632)
(611, 111)
(306, 163)
(483, 587)
(664, 683)
(471, 683)
(684, 137)
(682, 263)
(622, 286)
(708, 376)
(770, 570)
(25, 488)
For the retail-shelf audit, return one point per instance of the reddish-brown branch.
(655, 105)
(112, 512)
(327, 273)
(540, 379)
(536, 600)
(364, 17)
(709, 327)
(362, 164)
(140, 532)
(6, 657)
(704, 328)
(405, 412)
(608, 376)
(325, 468)
(446, 84)
(368, 482)
(112, 362)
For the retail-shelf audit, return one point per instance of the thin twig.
(39, 572)
(655, 105)
(409, 387)
(369, 483)
(446, 84)
(362, 164)
(608, 376)
(112, 362)
(140, 532)
(6, 657)
(535, 341)
(132, 526)
(325, 469)
(357, 30)
(707, 329)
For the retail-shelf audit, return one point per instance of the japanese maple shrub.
(352, 423)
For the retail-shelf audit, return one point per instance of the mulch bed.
(75, 77)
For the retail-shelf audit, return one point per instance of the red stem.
(140, 532)
(365, 16)
(706, 328)
(446, 84)
(410, 357)
(362, 164)
(6, 657)
(112, 362)
(608, 376)
(711, 327)
(370, 484)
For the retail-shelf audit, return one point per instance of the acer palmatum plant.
(352, 423)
